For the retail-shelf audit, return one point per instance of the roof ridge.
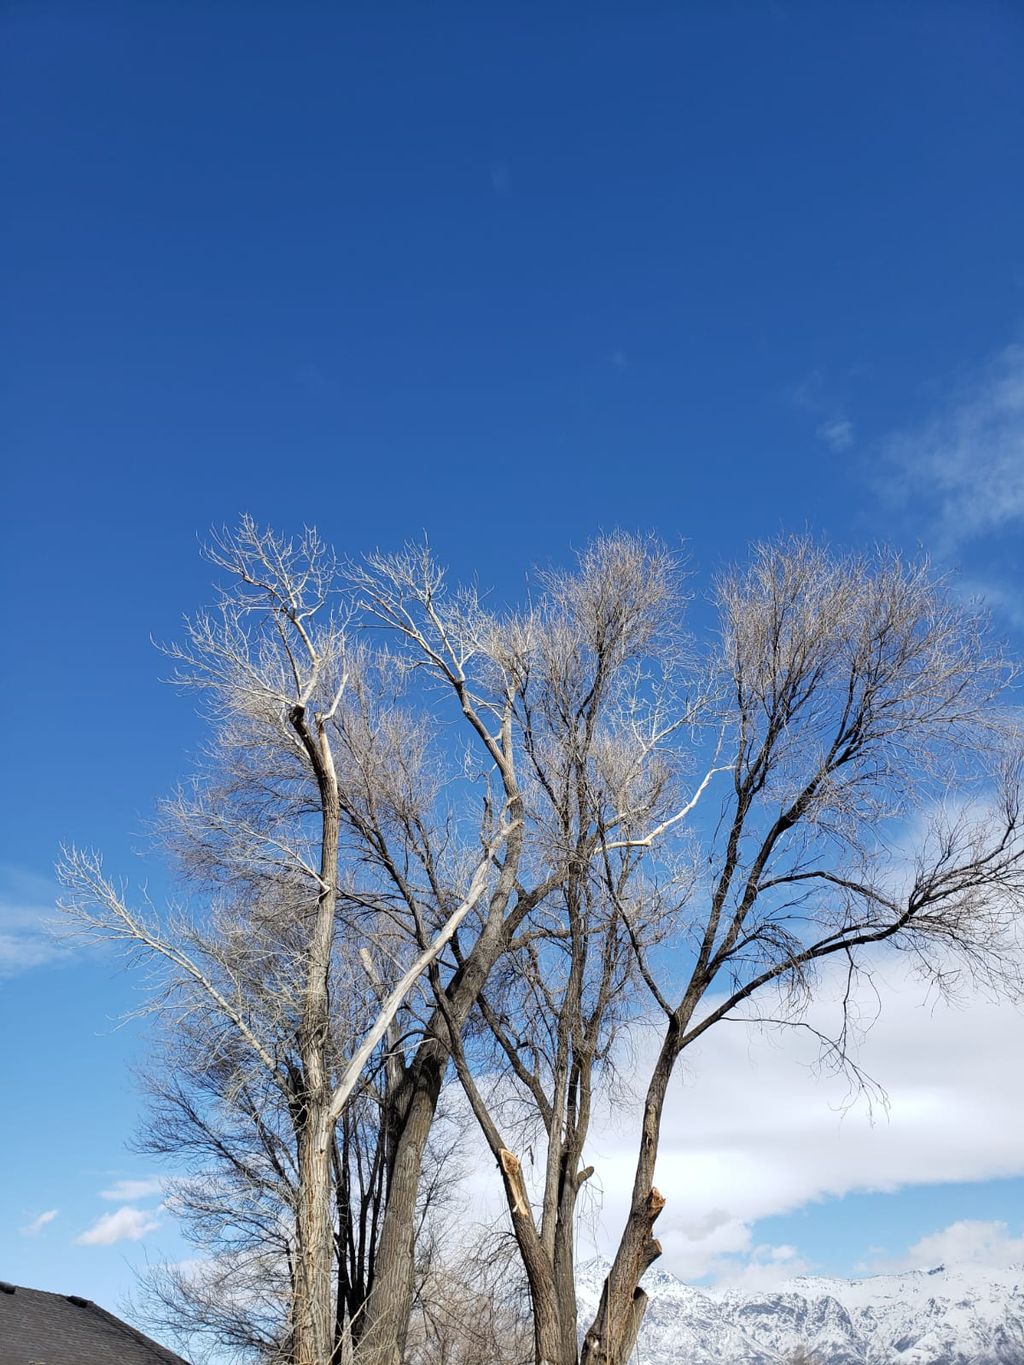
(134, 1331)
(162, 1353)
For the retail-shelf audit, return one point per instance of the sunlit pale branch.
(659, 830)
(391, 1005)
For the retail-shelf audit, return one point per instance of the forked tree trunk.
(387, 1308)
(389, 1303)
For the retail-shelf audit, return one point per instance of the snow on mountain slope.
(952, 1315)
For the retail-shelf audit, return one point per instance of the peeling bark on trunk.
(613, 1335)
(547, 1308)
(614, 1330)
(314, 1308)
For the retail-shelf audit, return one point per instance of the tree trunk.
(387, 1308)
(544, 1300)
(564, 1260)
(389, 1304)
(614, 1331)
(314, 1306)
(613, 1334)
(390, 1300)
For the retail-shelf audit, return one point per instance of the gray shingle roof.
(37, 1328)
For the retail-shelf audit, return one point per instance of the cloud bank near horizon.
(754, 1129)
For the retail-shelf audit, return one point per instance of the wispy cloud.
(26, 909)
(814, 396)
(123, 1225)
(37, 1224)
(127, 1190)
(1001, 595)
(962, 470)
(837, 433)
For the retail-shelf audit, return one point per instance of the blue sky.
(510, 274)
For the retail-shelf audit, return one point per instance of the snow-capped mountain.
(952, 1315)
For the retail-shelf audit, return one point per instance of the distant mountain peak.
(942, 1315)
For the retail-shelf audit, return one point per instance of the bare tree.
(274, 661)
(228, 1137)
(548, 696)
(851, 714)
(599, 703)
(229, 1140)
(874, 799)
(473, 841)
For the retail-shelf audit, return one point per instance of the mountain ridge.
(943, 1315)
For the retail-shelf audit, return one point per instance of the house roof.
(37, 1328)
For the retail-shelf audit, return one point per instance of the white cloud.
(963, 469)
(36, 1226)
(123, 1190)
(764, 1268)
(814, 396)
(837, 433)
(972, 1241)
(1004, 598)
(26, 907)
(123, 1225)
